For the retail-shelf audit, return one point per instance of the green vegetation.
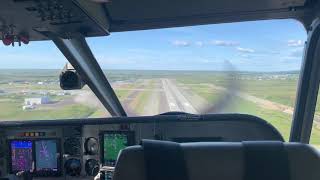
(280, 91)
(142, 98)
(140, 102)
(99, 113)
(210, 95)
(278, 87)
(264, 85)
(13, 111)
(280, 120)
(275, 87)
(122, 93)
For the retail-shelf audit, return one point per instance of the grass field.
(275, 91)
(281, 91)
(11, 111)
(142, 98)
(280, 120)
(122, 93)
(277, 87)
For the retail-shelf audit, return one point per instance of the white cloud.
(184, 43)
(181, 43)
(224, 43)
(294, 54)
(297, 52)
(245, 55)
(295, 43)
(108, 60)
(204, 60)
(199, 43)
(290, 59)
(245, 50)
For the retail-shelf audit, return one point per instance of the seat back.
(221, 161)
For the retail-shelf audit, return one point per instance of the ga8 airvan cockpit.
(150, 90)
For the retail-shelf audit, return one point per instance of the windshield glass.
(248, 67)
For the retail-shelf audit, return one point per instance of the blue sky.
(274, 45)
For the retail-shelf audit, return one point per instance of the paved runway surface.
(175, 98)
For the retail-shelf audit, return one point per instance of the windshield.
(248, 67)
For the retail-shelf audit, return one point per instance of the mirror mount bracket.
(79, 54)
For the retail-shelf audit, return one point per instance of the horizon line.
(104, 69)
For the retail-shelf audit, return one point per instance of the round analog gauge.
(73, 167)
(91, 146)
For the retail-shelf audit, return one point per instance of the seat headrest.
(223, 161)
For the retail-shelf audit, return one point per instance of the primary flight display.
(40, 157)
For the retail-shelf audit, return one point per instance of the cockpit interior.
(180, 142)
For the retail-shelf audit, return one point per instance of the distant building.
(60, 94)
(36, 101)
(43, 92)
(64, 93)
(28, 107)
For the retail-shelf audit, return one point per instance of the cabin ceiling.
(92, 18)
(144, 14)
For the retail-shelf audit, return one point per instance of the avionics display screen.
(42, 156)
(21, 155)
(113, 143)
(46, 155)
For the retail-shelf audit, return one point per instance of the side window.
(315, 136)
(315, 133)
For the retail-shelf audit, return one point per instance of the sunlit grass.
(139, 103)
(121, 94)
(13, 111)
(281, 121)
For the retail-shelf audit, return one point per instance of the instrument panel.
(80, 149)
(59, 152)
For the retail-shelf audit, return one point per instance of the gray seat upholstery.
(220, 161)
